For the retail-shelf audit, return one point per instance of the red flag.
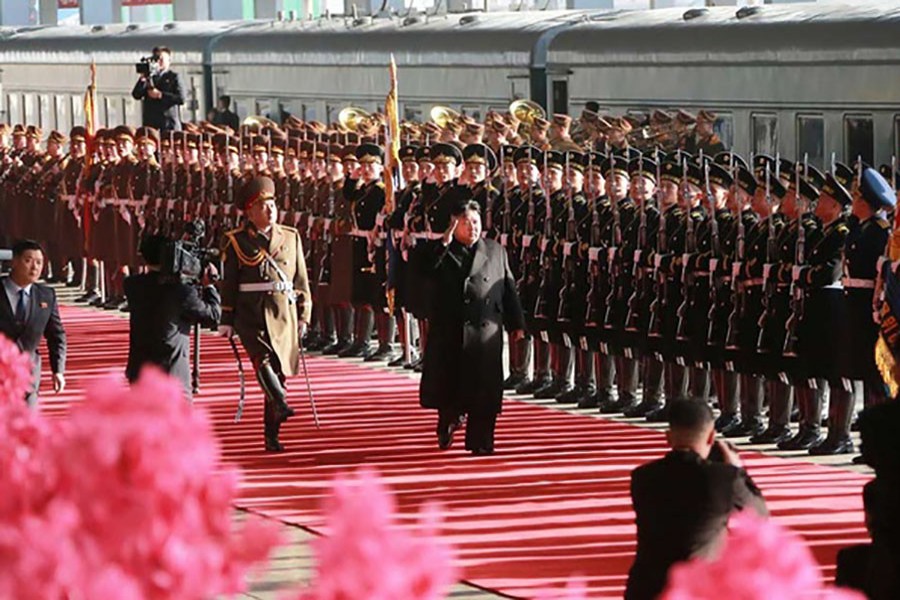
(90, 120)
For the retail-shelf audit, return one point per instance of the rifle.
(568, 282)
(769, 284)
(611, 252)
(634, 301)
(716, 250)
(737, 296)
(591, 305)
(797, 293)
(545, 260)
(690, 246)
(488, 199)
(654, 327)
(506, 225)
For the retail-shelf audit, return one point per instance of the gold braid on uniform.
(244, 259)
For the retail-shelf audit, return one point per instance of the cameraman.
(160, 89)
(163, 310)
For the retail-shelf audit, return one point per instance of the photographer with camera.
(682, 502)
(161, 91)
(165, 305)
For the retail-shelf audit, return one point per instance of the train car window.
(859, 138)
(113, 116)
(13, 109)
(472, 111)
(561, 97)
(61, 106)
(77, 109)
(412, 113)
(519, 87)
(811, 139)
(45, 113)
(764, 129)
(31, 108)
(309, 112)
(897, 137)
(331, 113)
(724, 128)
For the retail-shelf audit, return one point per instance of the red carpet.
(552, 503)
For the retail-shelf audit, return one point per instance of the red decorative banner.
(74, 3)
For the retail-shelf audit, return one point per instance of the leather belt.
(756, 282)
(427, 236)
(853, 283)
(837, 285)
(267, 286)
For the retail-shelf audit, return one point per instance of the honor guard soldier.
(418, 289)
(865, 247)
(266, 299)
(69, 212)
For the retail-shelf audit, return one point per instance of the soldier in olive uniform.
(266, 299)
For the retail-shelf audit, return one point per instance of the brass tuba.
(257, 123)
(352, 117)
(443, 115)
(526, 111)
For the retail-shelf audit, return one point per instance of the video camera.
(147, 65)
(187, 258)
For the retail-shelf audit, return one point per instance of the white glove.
(226, 331)
(302, 329)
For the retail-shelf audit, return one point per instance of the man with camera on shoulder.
(161, 91)
(163, 310)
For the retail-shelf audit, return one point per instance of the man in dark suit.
(683, 501)
(163, 310)
(224, 115)
(162, 94)
(28, 312)
(463, 367)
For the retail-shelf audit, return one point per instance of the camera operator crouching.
(160, 90)
(176, 292)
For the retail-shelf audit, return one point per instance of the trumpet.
(353, 117)
(526, 111)
(443, 116)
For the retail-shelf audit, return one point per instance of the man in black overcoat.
(475, 297)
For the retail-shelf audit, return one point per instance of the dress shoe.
(550, 390)
(311, 340)
(273, 445)
(514, 380)
(354, 351)
(530, 385)
(638, 410)
(727, 421)
(87, 297)
(859, 459)
(112, 303)
(283, 412)
(378, 354)
(775, 434)
(73, 283)
(570, 396)
(833, 445)
(415, 362)
(336, 348)
(397, 361)
(805, 439)
(748, 427)
(482, 451)
(445, 437)
(97, 302)
(321, 343)
(660, 415)
(419, 366)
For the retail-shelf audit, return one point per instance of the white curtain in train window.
(764, 129)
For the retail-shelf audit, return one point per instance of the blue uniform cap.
(876, 190)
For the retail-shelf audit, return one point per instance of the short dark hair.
(162, 50)
(226, 100)
(22, 246)
(152, 249)
(689, 415)
(464, 207)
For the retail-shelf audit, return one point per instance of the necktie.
(20, 307)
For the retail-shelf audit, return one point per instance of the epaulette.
(883, 223)
(843, 229)
(291, 229)
(250, 261)
(379, 184)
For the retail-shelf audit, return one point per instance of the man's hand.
(729, 454)
(59, 382)
(516, 335)
(210, 275)
(302, 327)
(226, 331)
(448, 235)
(154, 93)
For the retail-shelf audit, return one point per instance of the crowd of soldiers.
(647, 257)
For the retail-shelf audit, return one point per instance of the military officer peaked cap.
(370, 153)
(78, 134)
(446, 153)
(844, 174)
(423, 153)
(553, 159)
(407, 153)
(617, 165)
(645, 168)
(813, 175)
(481, 154)
(876, 190)
(730, 160)
(745, 180)
(147, 133)
(508, 153)
(834, 189)
(57, 137)
(594, 161)
(576, 160)
(626, 153)
(257, 188)
(695, 175)
(528, 154)
(719, 176)
(670, 171)
(807, 190)
(760, 161)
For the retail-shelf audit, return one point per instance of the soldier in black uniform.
(398, 243)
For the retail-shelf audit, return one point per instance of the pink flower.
(367, 554)
(15, 373)
(759, 560)
(127, 498)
